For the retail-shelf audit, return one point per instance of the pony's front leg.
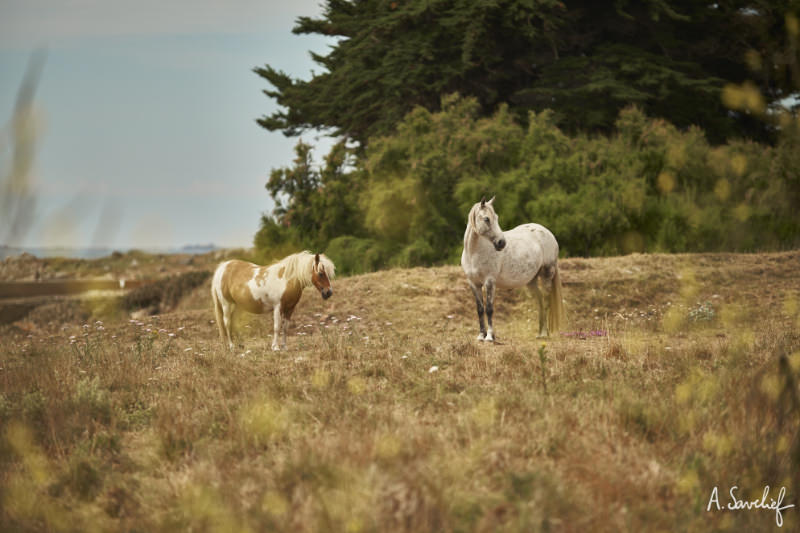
(284, 328)
(277, 326)
(476, 291)
(490, 308)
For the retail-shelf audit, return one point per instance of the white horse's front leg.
(490, 308)
(276, 331)
(476, 291)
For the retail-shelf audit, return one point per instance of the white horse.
(521, 256)
(259, 289)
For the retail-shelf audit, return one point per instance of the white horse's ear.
(490, 201)
(316, 260)
(483, 201)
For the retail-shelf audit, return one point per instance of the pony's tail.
(556, 316)
(218, 313)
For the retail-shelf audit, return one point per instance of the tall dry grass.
(387, 416)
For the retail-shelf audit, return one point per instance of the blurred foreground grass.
(680, 374)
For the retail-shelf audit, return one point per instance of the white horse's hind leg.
(533, 286)
(476, 291)
(490, 308)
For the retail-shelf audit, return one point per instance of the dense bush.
(647, 187)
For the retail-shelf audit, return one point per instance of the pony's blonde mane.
(299, 267)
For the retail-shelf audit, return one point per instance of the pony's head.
(321, 273)
(484, 222)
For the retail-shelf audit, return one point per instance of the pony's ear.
(316, 260)
(483, 201)
(490, 201)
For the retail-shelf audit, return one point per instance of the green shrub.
(648, 187)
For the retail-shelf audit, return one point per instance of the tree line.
(622, 126)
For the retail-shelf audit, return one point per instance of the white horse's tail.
(556, 316)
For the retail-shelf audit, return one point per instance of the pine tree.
(586, 60)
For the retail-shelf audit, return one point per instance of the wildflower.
(189, 349)
(450, 316)
(172, 335)
(433, 369)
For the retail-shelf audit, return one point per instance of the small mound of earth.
(58, 313)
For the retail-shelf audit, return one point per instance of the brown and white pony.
(259, 289)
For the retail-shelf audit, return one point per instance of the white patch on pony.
(268, 288)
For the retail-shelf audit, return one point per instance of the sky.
(146, 116)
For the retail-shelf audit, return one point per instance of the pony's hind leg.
(476, 291)
(227, 313)
(218, 315)
(533, 286)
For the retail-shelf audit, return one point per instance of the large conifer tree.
(585, 59)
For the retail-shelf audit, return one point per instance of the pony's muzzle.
(326, 293)
(500, 244)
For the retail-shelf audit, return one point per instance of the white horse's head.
(484, 222)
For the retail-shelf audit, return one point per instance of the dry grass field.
(676, 374)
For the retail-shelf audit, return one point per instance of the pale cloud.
(27, 23)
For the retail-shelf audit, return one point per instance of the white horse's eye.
(486, 220)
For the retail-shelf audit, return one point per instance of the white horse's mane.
(299, 266)
(472, 214)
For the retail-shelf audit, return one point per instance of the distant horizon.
(95, 252)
